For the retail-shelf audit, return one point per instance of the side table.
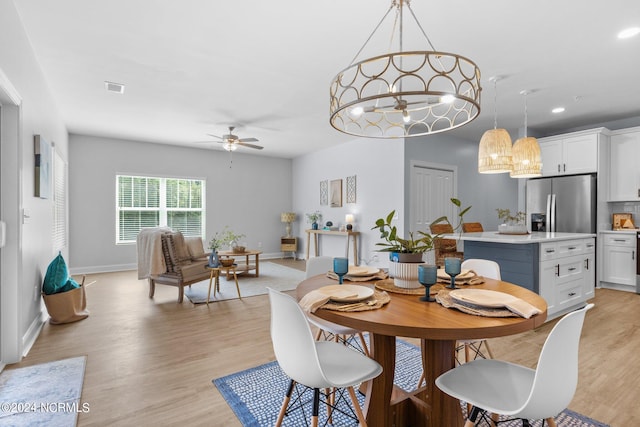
(215, 273)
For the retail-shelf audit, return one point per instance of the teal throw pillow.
(56, 277)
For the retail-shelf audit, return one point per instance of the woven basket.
(238, 249)
(226, 262)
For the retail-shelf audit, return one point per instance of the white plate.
(346, 293)
(482, 297)
(362, 270)
(464, 274)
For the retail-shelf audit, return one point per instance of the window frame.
(163, 209)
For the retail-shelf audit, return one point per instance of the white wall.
(378, 166)
(248, 197)
(33, 242)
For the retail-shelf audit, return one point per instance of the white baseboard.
(75, 271)
(30, 337)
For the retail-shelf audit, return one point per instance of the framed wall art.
(324, 192)
(43, 160)
(335, 193)
(621, 221)
(351, 189)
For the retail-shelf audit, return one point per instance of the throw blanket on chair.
(150, 257)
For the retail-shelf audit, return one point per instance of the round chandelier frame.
(405, 93)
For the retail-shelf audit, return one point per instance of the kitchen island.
(560, 267)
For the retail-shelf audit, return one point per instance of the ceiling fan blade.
(244, 144)
(247, 140)
(215, 136)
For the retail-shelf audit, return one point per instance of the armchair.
(174, 259)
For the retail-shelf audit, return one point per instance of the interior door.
(431, 191)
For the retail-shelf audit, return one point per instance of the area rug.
(255, 395)
(272, 275)
(47, 394)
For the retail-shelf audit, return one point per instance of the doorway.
(431, 186)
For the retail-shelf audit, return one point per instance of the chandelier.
(404, 93)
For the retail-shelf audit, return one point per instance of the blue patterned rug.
(47, 394)
(255, 395)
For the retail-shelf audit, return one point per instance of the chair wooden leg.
(494, 420)
(152, 288)
(356, 407)
(180, 293)
(237, 285)
(551, 422)
(319, 335)
(421, 380)
(486, 344)
(364, 344)
(285, 403)
(316, 407)
(472, 416)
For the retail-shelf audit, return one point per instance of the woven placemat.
(389, 286)
(445, 300)
(377, 300)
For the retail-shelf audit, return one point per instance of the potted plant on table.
(406, 254)
(227, 238)
(313, 218)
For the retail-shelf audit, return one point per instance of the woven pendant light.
(494, 151)
(527, 160)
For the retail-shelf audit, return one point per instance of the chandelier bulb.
(405, 116)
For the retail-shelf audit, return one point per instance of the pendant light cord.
(495, 103)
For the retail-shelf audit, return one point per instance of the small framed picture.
(622, 221)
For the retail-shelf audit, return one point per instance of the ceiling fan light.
(494, 152)
(405, 116)
(527, 160)
(229, 146)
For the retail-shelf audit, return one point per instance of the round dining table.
(438, 329)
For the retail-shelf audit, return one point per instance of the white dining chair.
(320, 365)
(326, 329)
(504, 388)
(485, 268)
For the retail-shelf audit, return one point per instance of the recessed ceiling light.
(629, 32)
(114, 87)
(558, 110)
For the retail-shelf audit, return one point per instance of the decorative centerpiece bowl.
(226, 262)
(238, 249)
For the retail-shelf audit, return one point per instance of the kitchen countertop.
(626, 231)
(519, 239)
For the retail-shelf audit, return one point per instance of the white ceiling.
(194, 67)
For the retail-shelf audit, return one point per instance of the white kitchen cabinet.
(569, 154)
(624, 182)
(619, 260)
(567, 274)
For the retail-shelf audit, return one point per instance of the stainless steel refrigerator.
(564, 204)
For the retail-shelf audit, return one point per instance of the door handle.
(586, 263)
(558, 270)
(564, 166)
(572, 269)
(558, 167)
(571, 248)
(571, 294)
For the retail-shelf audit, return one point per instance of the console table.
(348, 234)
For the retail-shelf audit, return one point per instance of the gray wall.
(248, 197)
(484, 192)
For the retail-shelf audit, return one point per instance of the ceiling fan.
(231, 142)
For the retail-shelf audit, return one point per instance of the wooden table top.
(245, 253)
(407, 316)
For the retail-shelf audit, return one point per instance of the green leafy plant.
(421, 242)
(505, 215)
(226, 237)
(314, 216)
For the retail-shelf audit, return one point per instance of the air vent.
(114, 87)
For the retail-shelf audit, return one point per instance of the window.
(59, 203)
(157, 202)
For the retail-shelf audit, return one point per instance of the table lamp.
(349, 220)
(288, 218)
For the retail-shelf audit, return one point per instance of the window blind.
(59, 203)
(153, 202)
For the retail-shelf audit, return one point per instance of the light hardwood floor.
(151, 361)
